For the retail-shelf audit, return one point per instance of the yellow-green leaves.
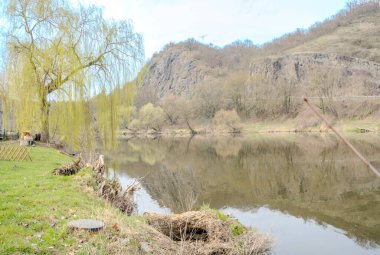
(66, 67)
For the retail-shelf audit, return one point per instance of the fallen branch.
(360, 156)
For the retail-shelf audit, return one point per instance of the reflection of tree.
(228, 147)
(176, 189)
(149, 151)
(309, 177)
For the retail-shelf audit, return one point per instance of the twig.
(362, 158)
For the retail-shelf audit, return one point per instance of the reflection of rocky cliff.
(310, 177)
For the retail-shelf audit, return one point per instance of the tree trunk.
(192, 131)
(45, 135)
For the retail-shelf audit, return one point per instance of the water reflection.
(308, 177)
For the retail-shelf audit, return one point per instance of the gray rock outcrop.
(355, 76)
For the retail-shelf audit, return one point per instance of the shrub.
(228, 118)
(135, 124)
(152, 117)
(171, 105)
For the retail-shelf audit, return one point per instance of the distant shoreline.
(344, 126)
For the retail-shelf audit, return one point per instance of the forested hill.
(337, 57)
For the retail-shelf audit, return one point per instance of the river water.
(308, 192)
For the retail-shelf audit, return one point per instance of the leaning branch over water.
(361, 157)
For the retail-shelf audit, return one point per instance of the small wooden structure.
(14, 153)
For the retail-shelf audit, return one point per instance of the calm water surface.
(310, 193)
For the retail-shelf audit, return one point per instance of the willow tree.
(66, 56)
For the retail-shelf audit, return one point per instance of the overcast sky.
(219, 22)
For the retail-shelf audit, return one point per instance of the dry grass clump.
(112, 191)
(209, 233)
(252, 243)
(69, 169)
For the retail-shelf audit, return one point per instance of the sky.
(219, 22)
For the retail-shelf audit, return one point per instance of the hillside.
(336, 59)
(351, 32)
(355, 35)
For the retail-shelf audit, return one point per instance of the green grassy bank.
(35, 207)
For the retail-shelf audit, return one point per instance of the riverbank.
(264, 127)
(35, 207)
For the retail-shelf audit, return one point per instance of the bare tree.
(230, 118)
(171, 106)
(152, 117)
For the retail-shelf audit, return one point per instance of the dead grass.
(207, 233)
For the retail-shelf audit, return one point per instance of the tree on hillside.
(170, 104)
(229, 118)
(208, 98)
(235, 91)
(180, 110)
(59, 52)
(152, 117)
(324, 81)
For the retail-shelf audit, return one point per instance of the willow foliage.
(66, 67)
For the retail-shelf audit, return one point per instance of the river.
(310, 193)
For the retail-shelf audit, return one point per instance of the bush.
(228, 118)
(172, 106)
(152, 117)
(135, 124)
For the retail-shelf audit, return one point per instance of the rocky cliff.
(353, 76)
(179, 68)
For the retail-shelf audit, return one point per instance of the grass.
(235, 226)
(35, 207)
(358, 38)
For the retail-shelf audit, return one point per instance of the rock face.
(355, 76)
(179, 68)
